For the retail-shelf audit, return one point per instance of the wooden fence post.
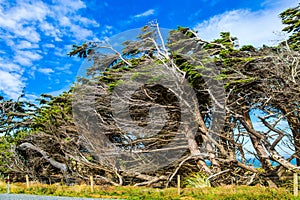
(92, 183)
(295, 184)
(178, 184)
(8, 185)
(27, 181)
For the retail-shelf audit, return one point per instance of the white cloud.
(85, 21)
(250, 27)
(64, 21)
(58, 92)
(30, 54)
(65, 69)
(26, 12)
(49, 45)
(60, 52)
(28, 27)
(146, 13)
(8, 66)
(11, 84)
(51, 31)
(80, 33)
(28, 33)
(22, 60)
(68, 6)
(24, 44)
(107, 30)
(46, 71)
(19, 20)
(26, 58)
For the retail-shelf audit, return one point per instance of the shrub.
(197, 180)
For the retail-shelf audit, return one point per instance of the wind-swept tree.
(291, 18)
(166, 105)
(244, 73)
(15, 120)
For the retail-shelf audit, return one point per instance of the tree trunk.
(293, 120)
(257, 144)
(54, 163)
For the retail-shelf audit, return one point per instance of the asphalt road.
(30, 197)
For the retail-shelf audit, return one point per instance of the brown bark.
(257, 144)
(54, 163)
(294, 123)
(196, 153)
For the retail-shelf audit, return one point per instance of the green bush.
(197, 180)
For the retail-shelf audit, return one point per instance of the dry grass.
(226, 192)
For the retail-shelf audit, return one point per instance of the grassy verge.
(226, 192)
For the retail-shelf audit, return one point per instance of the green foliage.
(5, 154)
(82, 51)
(248, 48)
(185, 31)
(291, 18)
(197, 180)
(7, 143)
(15, 124)
(89, 158)
(112, 85)
(226, 41)
(240, 81)
(54, 112)
(15, 116)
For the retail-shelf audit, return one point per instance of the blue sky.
(35, 36)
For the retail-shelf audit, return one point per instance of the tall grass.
(226, 192)
(197, 180)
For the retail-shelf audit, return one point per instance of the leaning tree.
(168, 103)
(228, 84)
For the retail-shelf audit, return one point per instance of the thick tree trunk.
(208, 143)
(54, 163)
(196, 153)
(257, 144)
(293, 121)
